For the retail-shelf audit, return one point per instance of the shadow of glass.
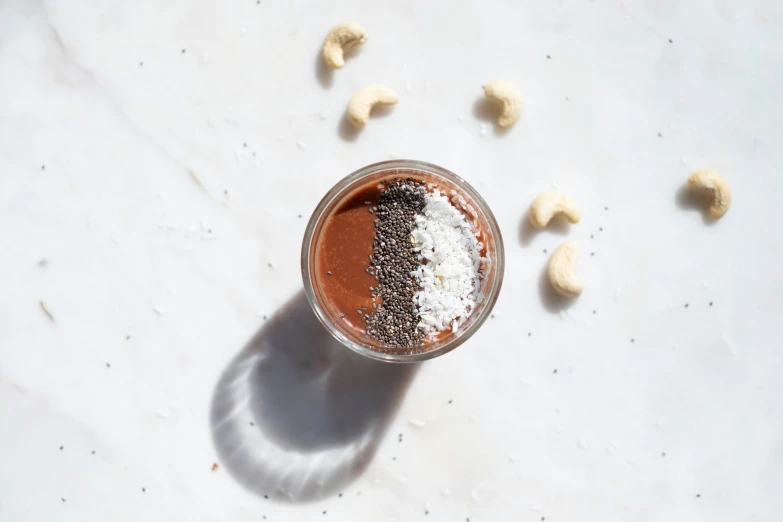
(296, 416)
(527, 232)
(552, 301)
(687, 199)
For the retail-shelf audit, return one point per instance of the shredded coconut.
(449, 276)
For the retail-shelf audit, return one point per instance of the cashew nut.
(504, 92)
(365, 99)
(340, 39)
(549, 204)
(561, 270)
(712, 184)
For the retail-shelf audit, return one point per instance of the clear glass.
(491, 283)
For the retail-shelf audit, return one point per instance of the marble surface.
(159, 160)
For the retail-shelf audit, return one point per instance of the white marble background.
(158, 162)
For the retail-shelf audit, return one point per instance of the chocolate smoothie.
(343, 256)
(400, 262)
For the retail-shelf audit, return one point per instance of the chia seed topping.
(394, 322)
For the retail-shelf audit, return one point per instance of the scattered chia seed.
(710, 303)
(394, 323)
(686, 305)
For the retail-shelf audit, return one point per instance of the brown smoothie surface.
(344, 251)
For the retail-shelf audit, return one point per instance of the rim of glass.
(327, 203)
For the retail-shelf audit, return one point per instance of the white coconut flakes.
(450, 273)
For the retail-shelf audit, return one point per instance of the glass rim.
(491, 293)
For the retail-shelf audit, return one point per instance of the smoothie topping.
(396, 318)
(449, 267)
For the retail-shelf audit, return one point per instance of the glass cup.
(490, 284)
